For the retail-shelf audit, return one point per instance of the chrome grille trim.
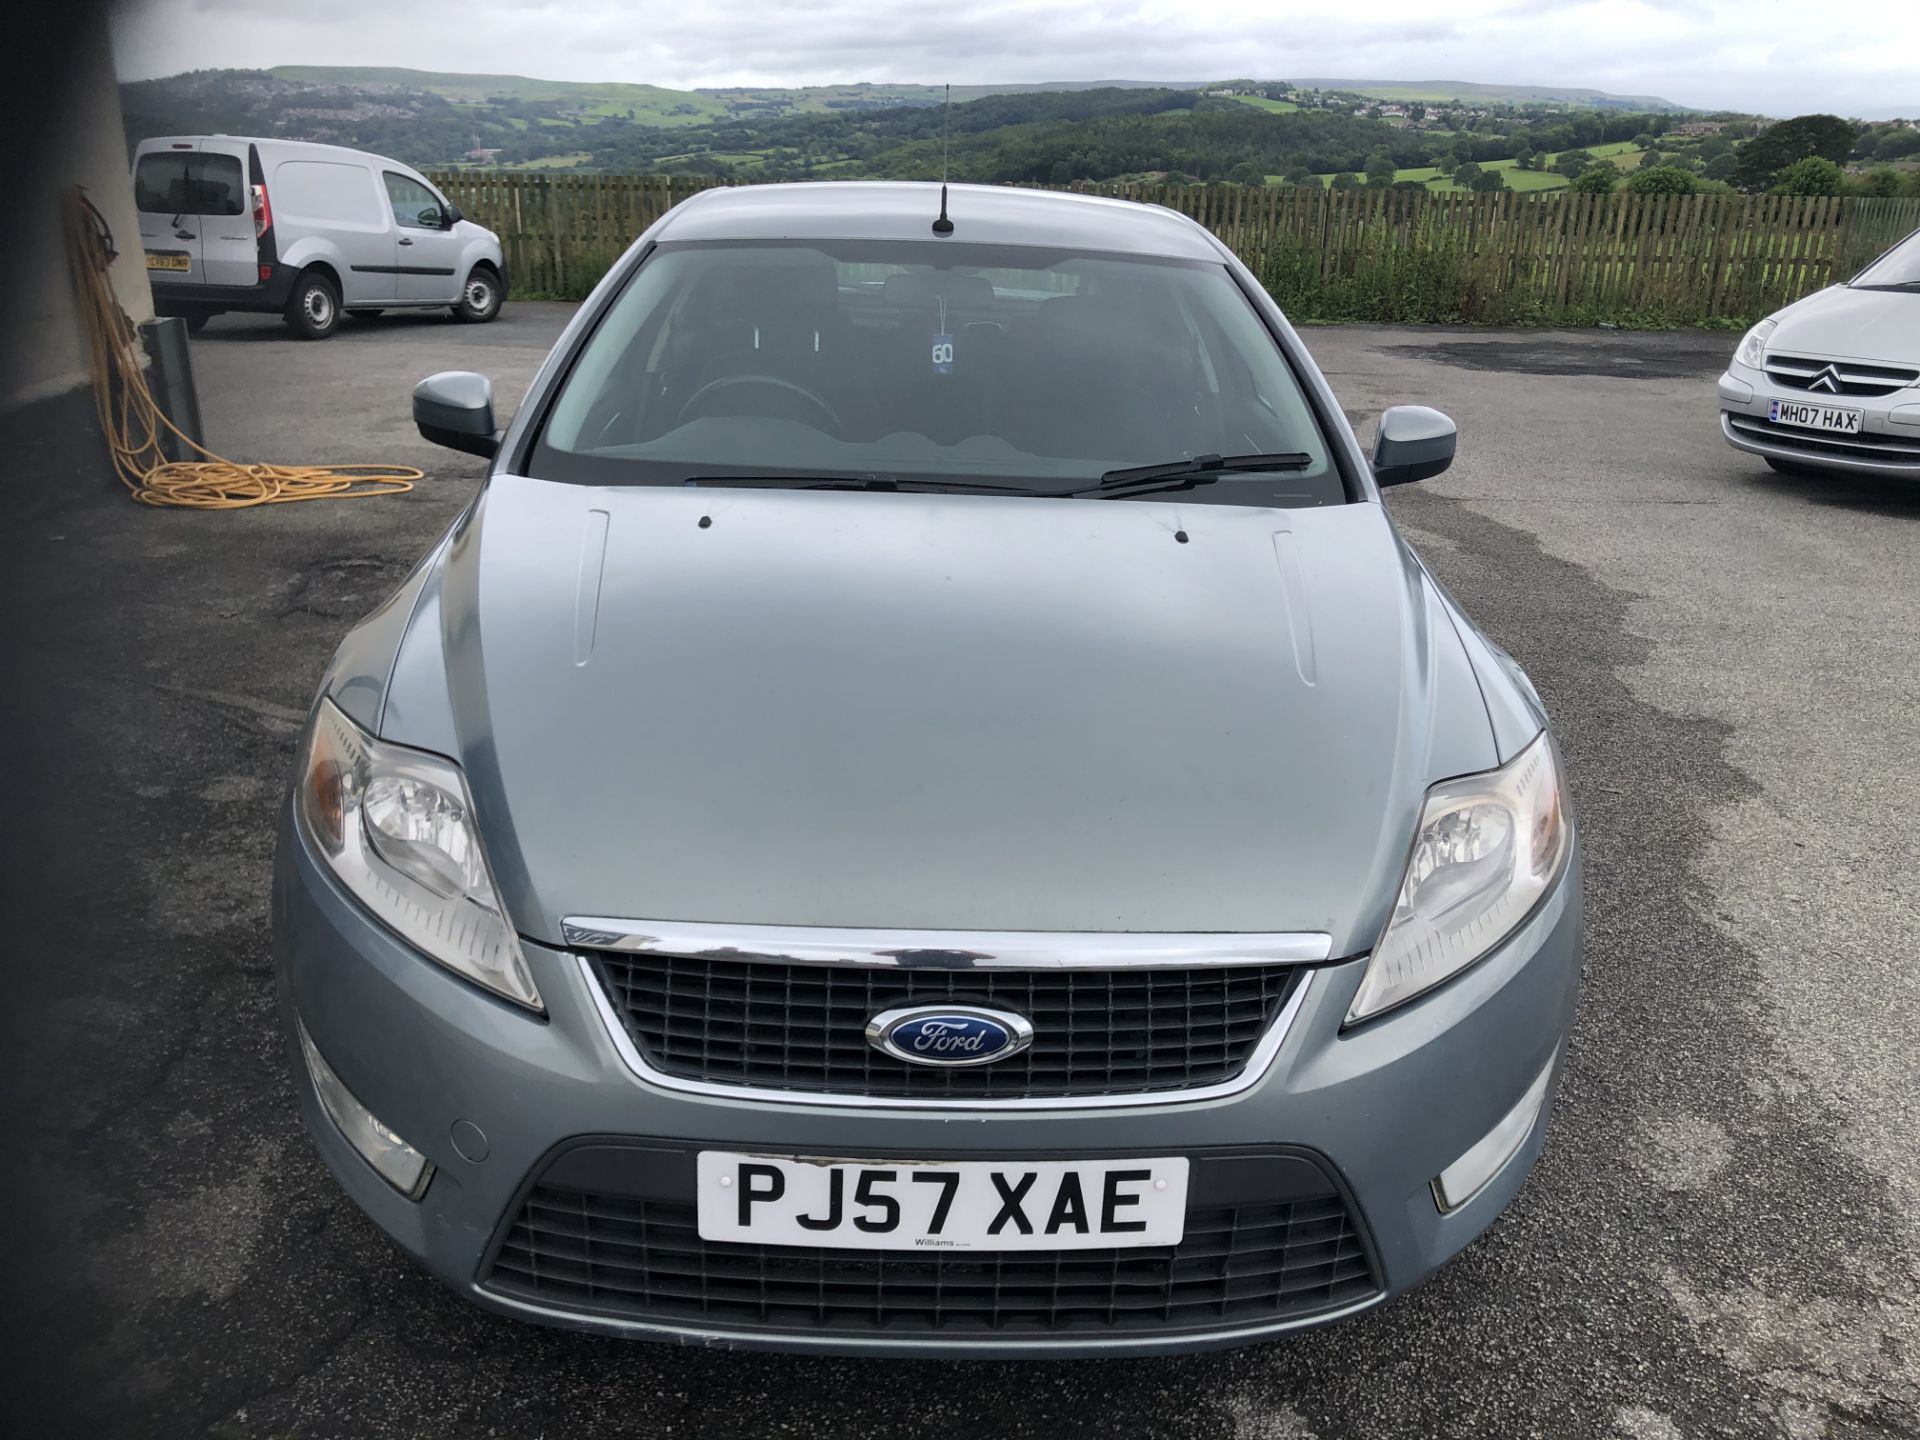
(944, 949)
(1822, 376)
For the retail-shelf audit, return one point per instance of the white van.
(306, 231)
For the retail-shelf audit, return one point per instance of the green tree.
(1597, 179)
(1571, 162)
(1660, 180)
(1298, 174)
(1346, 180)
(1720, 167)
(1061, 174)
(1247, 173)
(1815, 175)
(1465, 175)
(1380, 169)
(1762, 158)
(1488, 181)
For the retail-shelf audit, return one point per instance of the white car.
(1832, 382)
(305, 231)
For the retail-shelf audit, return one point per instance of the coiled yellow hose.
(134, 423)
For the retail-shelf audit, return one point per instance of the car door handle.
(405, 241)
(183, 235)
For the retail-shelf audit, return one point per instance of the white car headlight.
(396, 825)
(1753, 345)
(1488, 848)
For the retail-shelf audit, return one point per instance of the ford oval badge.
(949, 1035)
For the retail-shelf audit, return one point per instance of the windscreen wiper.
(1184, 474)
(915, 484)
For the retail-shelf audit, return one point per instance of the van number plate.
(168, 262)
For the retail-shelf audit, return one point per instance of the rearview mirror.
(455, 409)
(1414, 443)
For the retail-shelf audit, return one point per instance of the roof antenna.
(944, 226)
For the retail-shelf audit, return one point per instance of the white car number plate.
(1814, 417)
(944, 1205)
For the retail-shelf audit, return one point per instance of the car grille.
(1849, 377)
(774, 1025)
(1869, 447)
(643, 1259)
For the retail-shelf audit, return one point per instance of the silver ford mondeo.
(925, 808)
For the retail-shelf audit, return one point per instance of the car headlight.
(1488, 848)
(396, 826)
(1753, 345)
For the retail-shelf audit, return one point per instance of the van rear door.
(169, 230)
(223, 199)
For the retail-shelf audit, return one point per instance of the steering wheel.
(702, 401)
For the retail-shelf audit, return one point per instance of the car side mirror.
(1414, 443)
(455, 409)
(453, 215)
(432, 217)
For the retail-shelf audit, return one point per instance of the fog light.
(399, 1164)
(1468, 1175)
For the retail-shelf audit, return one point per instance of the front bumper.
(1888, 445)
(1380, 1110)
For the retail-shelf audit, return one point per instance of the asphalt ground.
(1723, 1237)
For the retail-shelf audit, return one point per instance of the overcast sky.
(1777, 57)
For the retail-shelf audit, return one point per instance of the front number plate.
(1814, 417)
(946, 1205)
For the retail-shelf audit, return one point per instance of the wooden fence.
(1389, 255)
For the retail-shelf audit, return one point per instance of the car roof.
(270, 142)
(905, 210)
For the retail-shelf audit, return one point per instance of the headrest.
(969, 292)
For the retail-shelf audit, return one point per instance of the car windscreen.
(1898, 269)
(930, 362)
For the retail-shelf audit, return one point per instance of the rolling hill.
(654, 104)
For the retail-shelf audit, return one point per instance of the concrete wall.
(81, 143)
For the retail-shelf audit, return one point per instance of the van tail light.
(262, 212)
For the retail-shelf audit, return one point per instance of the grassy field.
(1272, 107)
(1624, 154)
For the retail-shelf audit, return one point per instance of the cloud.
(1742, 54)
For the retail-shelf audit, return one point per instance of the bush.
(1815, 175)
(1596, 179)
(1661, 180)
(1346, 180)
(1465, 174)
(1488, 181)
(1884, 181)
(1571, 162)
